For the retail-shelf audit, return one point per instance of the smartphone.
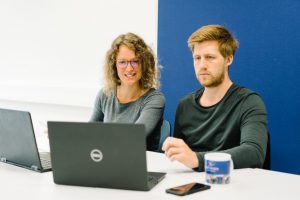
(188, 189)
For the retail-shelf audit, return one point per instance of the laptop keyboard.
(155, 176)
(150, 178)
(45, 160)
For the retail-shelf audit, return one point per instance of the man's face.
(210, 66)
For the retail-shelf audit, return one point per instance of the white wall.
(52, 51)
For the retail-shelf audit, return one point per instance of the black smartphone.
(188, 189)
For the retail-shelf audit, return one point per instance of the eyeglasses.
(124, 63)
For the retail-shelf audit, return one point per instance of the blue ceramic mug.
(218, 167)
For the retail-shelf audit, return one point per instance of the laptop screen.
(95, 154)
(17, 140)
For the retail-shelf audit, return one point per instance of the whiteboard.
(52, 51)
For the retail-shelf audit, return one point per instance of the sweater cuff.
(200, 157)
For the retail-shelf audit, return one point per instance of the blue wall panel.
(267, 61)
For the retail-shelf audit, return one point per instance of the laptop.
(95, 154)
(18, 144)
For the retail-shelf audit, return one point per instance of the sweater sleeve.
(97, 114)
(254, 134)
(152, 111)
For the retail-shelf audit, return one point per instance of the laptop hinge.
(35, 168)
(3, 159)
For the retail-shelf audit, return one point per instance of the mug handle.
(231, 165)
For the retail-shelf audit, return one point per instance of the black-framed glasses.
(124, 63)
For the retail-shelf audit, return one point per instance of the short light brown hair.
(227, 43)
(147, 60)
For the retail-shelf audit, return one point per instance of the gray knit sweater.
(148, 110)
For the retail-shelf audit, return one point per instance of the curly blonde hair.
(150, 71)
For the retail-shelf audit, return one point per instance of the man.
(221, 116)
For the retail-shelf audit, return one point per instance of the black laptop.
(18, 144)
(110, 155)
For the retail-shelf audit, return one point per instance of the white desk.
(19, 183)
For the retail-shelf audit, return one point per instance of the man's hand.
(177, 149)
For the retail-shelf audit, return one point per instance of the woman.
(130, 93)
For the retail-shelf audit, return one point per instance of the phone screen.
(188, 189)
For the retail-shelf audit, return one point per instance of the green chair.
(165, 132)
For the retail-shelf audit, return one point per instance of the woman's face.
(128, 67)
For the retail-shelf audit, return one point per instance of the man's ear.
(229, 60)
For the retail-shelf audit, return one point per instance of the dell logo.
(96, 155)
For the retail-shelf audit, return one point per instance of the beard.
(212, 80)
